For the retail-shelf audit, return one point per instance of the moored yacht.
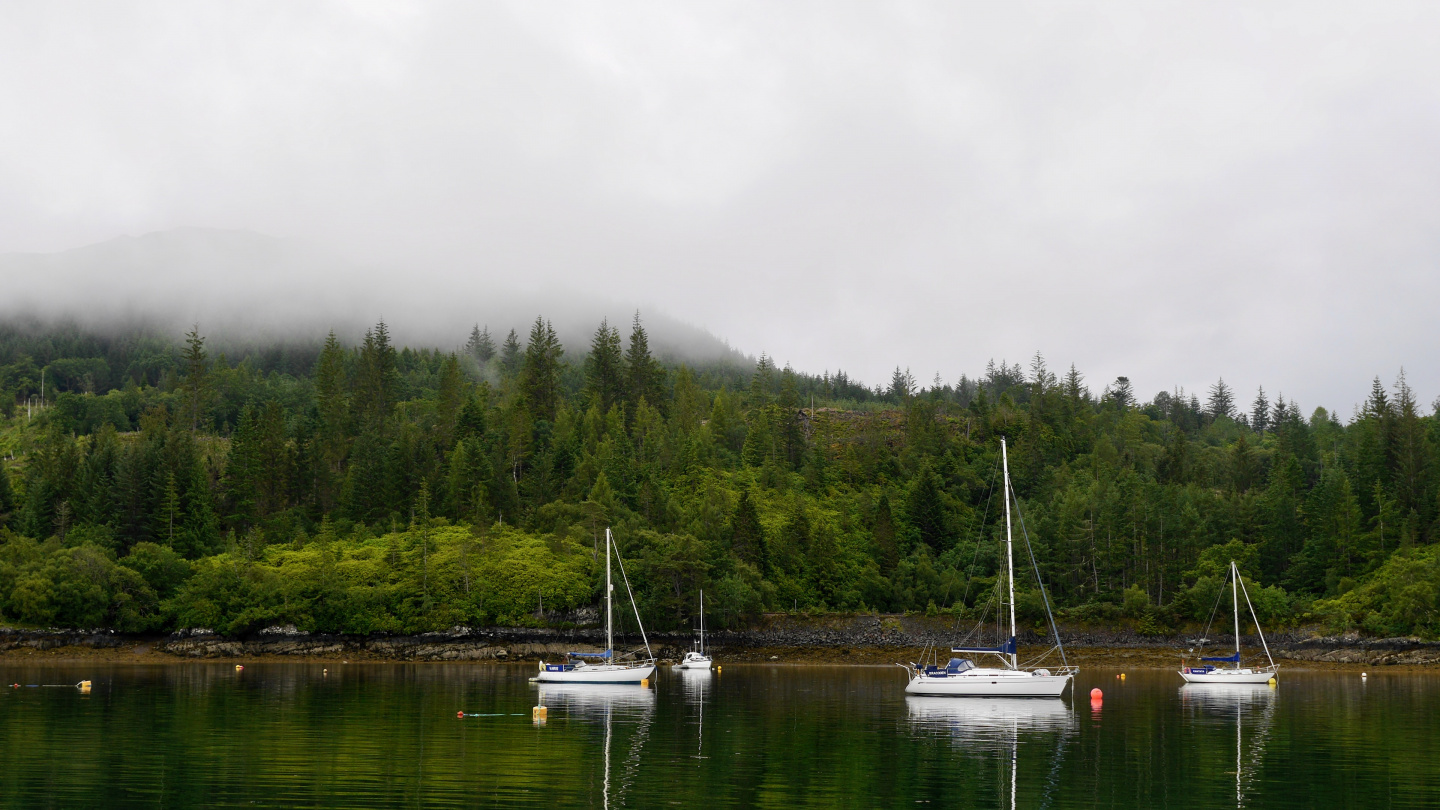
(603, 667)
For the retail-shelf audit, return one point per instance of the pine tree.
(196, 386)
(378, 383)
(761, 382)
(925, 510)
(330, 403)
(605, 367)
(747, 537)
(1411, 452)
(480, 345)
(643, 374)
(511, 356)
(1121, 393)
(447, 400)
(1260, 412)
(542, 370)
(7, 497)
(902, 386)
(1221, 401)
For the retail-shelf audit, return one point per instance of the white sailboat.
(577, 669)
(697, 658)
(1207, 673)
(960, 677)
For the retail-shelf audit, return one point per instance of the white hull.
(602, 673)
(1232, 676)
(989, 683)
(692, 661)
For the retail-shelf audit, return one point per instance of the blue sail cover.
(1008, 648)
(605, 654)
(1234, 659)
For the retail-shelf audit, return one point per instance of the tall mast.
(1009, 553)
(609, 598)
(1235, 595)
(702, 622)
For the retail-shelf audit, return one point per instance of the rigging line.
(633, 603)
(980, 533)
(1036, 566)
(1206, 637)
(1253, 617)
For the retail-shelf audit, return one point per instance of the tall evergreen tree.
(512, 357)
(747, 536)
(883, 530)
(480, 346)
(605, 379)
(644, 376)
(378, 383)
(196, 386)
(542, 370)
(925, 510)
(1221, 401)
(1260, 412)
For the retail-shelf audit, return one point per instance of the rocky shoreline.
(825, 639)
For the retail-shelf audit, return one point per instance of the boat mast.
(1009, 551)
(1235, 595)
(609, 598)
(702, 622)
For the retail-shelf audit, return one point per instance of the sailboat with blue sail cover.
(1207, 672)
(602, 667)
(960, 677)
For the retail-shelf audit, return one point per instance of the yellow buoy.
(538, 714)
(717, 670)
(238, 667)
(1122, 676)
(1272, 681)
(84, 687)
(644, 683)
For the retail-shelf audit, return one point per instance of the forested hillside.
(156, 484)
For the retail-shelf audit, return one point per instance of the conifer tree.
(747, 537)
(761, 382)
(1121, 393)
(378, 383)
(1260, 412)
(330, 403)
(605, 378)
(925, 510)
(196, 386)
(644, 376)
(542, 370)
(480, 345)
(511, 356)
(1221, 401)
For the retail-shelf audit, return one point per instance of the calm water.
(753, 736)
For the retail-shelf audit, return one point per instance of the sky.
(1171, 191)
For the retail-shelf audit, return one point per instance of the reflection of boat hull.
(989, 683)
(1002, 714)
(1231, 676)
(601, 673)
(591, 698)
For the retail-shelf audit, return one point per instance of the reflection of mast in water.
(601, 702)
(1000, 721)
(697, 685)
(1217, 699)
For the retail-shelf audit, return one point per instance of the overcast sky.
(1171, 191)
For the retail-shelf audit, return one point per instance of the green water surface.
(784, 736)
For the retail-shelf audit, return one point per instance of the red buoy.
(460, 715)
(1096, 694)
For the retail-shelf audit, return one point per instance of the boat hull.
(695, 662)
(1248, 676)
(1006, 684)
(598, 674)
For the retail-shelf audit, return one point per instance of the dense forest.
(152, 483)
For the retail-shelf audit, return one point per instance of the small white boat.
(960, 677)
(697, 658)
(577, 669)
(1208, 673)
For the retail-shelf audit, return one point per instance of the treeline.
(373, 488)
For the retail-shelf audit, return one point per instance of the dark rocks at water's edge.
(775, 632)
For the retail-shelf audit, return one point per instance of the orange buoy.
(1096, 694)
(460, 715)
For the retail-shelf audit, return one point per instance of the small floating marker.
(1364, 674)
(238, 668)
(1122, 676)
(460, 715)
(1096, 694)
(644, 683)
(1272, 681)
(717, 670)
(84, 687)
(538, 714)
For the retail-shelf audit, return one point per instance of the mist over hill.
(243, 287)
